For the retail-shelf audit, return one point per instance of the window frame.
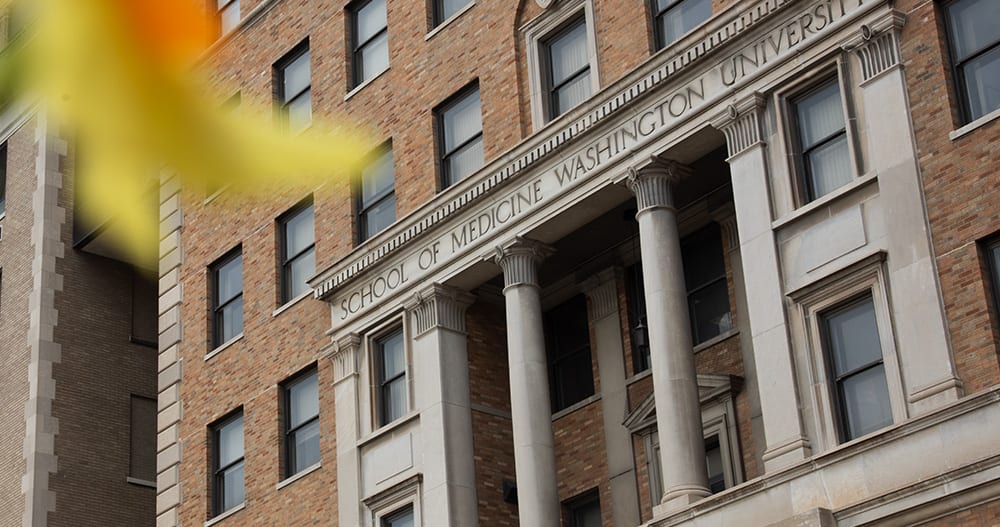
(362, 208)
(445, 179)
(438, 16)
(282, 98)
(659, 39)
(556, 355)
(379, 384)
(217, 317)
(220, 16)
(354, 10)
(284, 262)
(289, 431)
(218, 487)
(957, 75)
(575, 505)
(548, 79)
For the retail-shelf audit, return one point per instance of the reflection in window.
(673, 18)
(390, 359)
(298, 252)
(974, 38)
(370, 35)
(822, 136)
(377, 209)
(301, 423)
(567, 81)
(296, 92)
(227, 298)
(461, 141)
(227, 480)
(570, 366)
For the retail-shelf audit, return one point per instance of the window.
(3, 179)
(444, 9)
(857, 371)
(570, 368)
(567, 68)
(227, 298)
(713, 461)
(377, 208)
(824, 161)
(298, 251)
(390, 364)
(227, 466)
(673, 18)
(584, 511)
(403, 518)
(993, 262)
(370, 40)
(228, 14)
(460, 123)
(974, 39)
(144, 307)
(301, 422)
(294, 89)
(638, 326)
(142, 435)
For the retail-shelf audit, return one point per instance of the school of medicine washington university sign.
(468, 221)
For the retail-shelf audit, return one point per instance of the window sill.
(140, 482)
(448, 21)
(288, 305)
(388, 429)
(726, 335)
(225, 515)
(816, 204)
(639, 376)
(223, 347)
(363, 85)
(974, 125)
(302, 473)
(576, 406)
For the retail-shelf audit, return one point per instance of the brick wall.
(985, 515)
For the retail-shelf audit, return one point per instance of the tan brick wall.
(985, 515)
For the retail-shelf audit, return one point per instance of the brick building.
(613, 262)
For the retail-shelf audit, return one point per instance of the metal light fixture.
(640, 333)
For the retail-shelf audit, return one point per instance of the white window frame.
(390, 501)
(535, 34)
(867, 276)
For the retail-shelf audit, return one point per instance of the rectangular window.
(857, 372)
(570, 367)
(144, 307)
(824, 159)
(227, 465)
(460, 122)
(227, 298)
(298, 251)
(301, 422)
(142, 435)
(403, 518)
(377, 207)
(3, 179)
(673, 18)
(974, 39)
(294, 89)
(228, 14)
(567, 68)
(993, 262)
(390, 379)
(705, 279)
(444, 9)
(585, 510)
(713, 461)
(370, 40)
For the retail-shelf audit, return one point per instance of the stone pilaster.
(877, 45)
(440, 306)
(344, 354)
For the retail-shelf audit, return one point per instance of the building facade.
(612, 262)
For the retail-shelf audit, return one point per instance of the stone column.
(344, 354)
(602, 291)
(779, 401)
(675, 383)
(530, 408)
(441, 378)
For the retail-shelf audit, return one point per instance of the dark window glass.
(993, 261)
(570, 368)
(443, 9)
(301, 423)
(227, 299)
(822, 136)
(713, 462)
(370, 40)
(855, 356)
(975, 47)
(403, 518)
(144, 307)
(298, 252)
(227, 480)
(229, 15)
(295, 89)
(585, 511)
(390, 357)
(3, 178)
(142, 459)
(377, 209)
(673, 18)
(461, 141)
(705, 279)
(637, 317)
(568, 73)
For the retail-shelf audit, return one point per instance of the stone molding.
(653, 183)
(602, 291)
(741, 123)
(726, 218)
(439, 306)
(344, 356)
(520, 260)
(877, 45)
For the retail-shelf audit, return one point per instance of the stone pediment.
(712, 388)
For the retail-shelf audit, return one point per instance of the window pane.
(820, 115)
(462, 121)
(982, 83)
(574, 378)
(142, 431)
(300, 270)
(299, 232)
(296, 76)
(395, 394)
(404, 519)
(866, 402)
(853, 336)
(587, 515)
(299, 112)
(702, 255)
(568, 52)
(381, 216)
(393, 359)
(374, 57)
(232, 487)
(229, 17)
(710, 315)
(446, 8)
(571, 94)
(829, 167)
(303, 398)
(377, 178)
(713, 461)
(973, 26)
(229, 279)
(232, 320)
(230, 437)
(371, 20)
(306, 445)
(682, 18)
(464, 162)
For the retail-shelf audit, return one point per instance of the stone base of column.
(786, 453)
(680, 497)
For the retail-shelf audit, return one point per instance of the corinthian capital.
(520, 259)
(653, 183)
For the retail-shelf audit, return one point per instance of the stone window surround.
(865, 276)
(535, 32)
(789, 148)
(404, 494)
(370, 398)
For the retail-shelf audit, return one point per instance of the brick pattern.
(984, 515)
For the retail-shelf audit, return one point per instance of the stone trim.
(741, 122)
(877, 45)
(168, 456)
(653, 184)
(602, 291)
(520, 259)
(344, 356)
(726, 218)
(40, 427)
(439, 306)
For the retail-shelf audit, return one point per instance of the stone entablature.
(547, 169)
